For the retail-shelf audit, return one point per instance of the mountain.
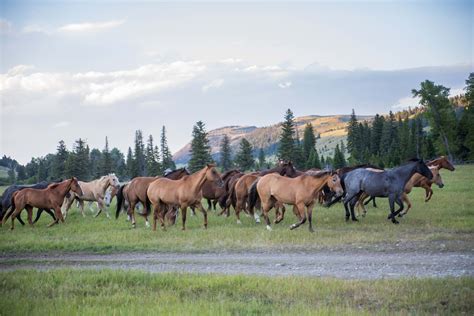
(330, 130)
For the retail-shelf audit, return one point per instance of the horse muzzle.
(441, 185)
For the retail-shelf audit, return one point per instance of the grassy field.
(446, 222)
(69, 292)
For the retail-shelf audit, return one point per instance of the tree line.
(442, 126)
(87, 164)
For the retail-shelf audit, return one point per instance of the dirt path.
(344, 265)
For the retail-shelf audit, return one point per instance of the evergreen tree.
(338, 161)
(440, 113)
(404, 135)
(130, 164)
(261, 159)
(21, 173)
(376, 135)
(95, 163)
(354, 139)
(77, 164)
(225, 154)
(152, 164)
(118, 163)
(200, 149)
(298, 154)
(11, 174)
(42, 171)
(309, 141)
(465, 127)
(59, 166)
(244, 159)
(313, 160)
(106, 165)
(166, 156)
(287, 144)
(139, 156)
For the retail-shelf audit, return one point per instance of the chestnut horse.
(185, 192)
(212, 192)
(50, 198)
(300, 192)
(243, 184)
(134, 192)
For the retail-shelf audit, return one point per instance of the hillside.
(331, 130)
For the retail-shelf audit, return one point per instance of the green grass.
(446, 222)
(68, 292)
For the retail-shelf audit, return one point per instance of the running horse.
(213, 192)
(301, 192)
(92, 191)
(134, 192)
(50, 198)
(164, 193)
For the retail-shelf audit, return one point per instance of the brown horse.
(50, 198)
(243, 184)
(185, 192)
(213, 192)
(228, 199)
(135, 192)
(301, 192)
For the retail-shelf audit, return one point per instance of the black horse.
(389, 183)
(6, 199)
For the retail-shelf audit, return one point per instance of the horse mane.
(227, 173)
(175, 171)
(322, 173)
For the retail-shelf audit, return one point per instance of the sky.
(92, 69)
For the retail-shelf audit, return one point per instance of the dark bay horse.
(301, 192)
(213, 192)
(388, 183)
(134, 192)
(50, 198)
(165, 193)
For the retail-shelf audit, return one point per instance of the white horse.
(109, 195)
(94, 191)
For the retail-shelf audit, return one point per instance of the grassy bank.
(446, 222)
(68, 292)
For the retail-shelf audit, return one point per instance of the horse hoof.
(311, 230)
(355, 220)
(239, 222)
(257, 221)
(292, 227)
(395, 221)
(269, 228)
(183, 228)
(347, 218)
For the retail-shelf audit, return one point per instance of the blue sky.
(96, 68)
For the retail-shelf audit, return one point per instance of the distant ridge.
(331, 130)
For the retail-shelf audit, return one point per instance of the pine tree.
(59, 166)
(309, 141)
(166, 156)
(77, 164)
(261, 159)
(106, 161)
(338, 161)
(313, 160)
(353, 139)
(95, 163)
(465, 127)
(139, 156)
(287, 144)
(225, 154)
(244, 159)
(118, 163)
(376, 135)
(440, 113)
(404, 134)
(152, 164)
(130, 164)
(200, 149)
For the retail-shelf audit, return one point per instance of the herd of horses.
(175, 192)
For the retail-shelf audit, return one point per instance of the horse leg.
(265, 210)
(29, 210)
(352, 204)
(101, 204)
(183, 216)
(238, 208)
(300, 208)
(281, 215)
(59, 215)
(310, 217)
(400, 203)
(131, 212)
(20, 220)
(373, 202)
(429, 195)
(14, 215)
(214, 204)
(209, 205)
(406, 200)
(67, 205)
(47, 210)
(391, 201)
(204, 213)
(81, 206)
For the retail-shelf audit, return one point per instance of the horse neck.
(196, 180)
(405, 172)
(104, 184)
(317, 183)
(64, 187)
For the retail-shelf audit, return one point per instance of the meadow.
(444, 223)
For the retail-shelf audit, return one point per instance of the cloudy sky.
(96, 68)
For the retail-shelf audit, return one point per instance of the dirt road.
(340, 264)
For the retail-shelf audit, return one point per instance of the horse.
(388, 183)
(185, 192)
(441, 162)
(416, 180)
(228, 199)
(134, 192)
(243, 184)
(50, 198)
(93, 191)
(212, 192)
(300, 192)
(7, 199)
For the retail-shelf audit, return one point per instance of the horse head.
(75, 187)
(334, 184)
(437, 176)
(213, 175)
(287, 169)
(422, 168)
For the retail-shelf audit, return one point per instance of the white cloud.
(406, 102)
(62, 124)
(212, 85)
(5, 26)
(90, 26)
(285, 84)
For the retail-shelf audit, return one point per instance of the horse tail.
(148, 206)
(120, 199)
(9, 211)
(253, 195)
